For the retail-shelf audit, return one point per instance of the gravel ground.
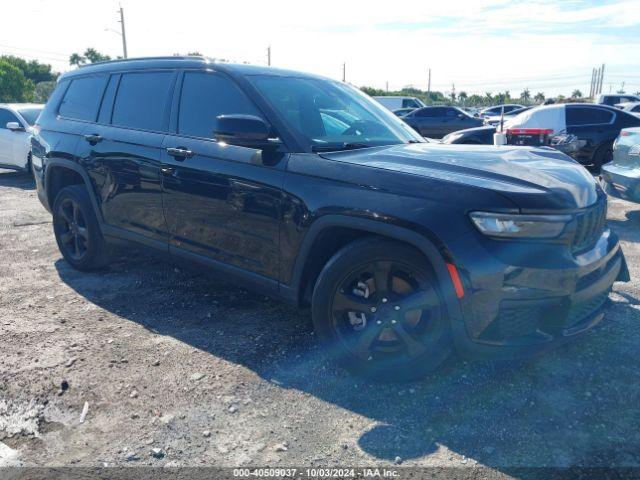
(178, 368)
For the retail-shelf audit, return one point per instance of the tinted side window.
(82, 100)
(636, 108)
(142, 100)
(5, 117)
(452, 112)
(409, 103)
(204, 97)
(427, 112)
(587, 116)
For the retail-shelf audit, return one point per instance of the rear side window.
(587, 116)
(429, 112)
(82, 99)
(142, 100)
(204, 97)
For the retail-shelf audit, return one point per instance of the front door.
(220, 201)
(10, 140)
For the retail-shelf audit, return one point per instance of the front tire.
(379, 312)
(77, 231)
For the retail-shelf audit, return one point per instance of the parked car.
(404, 250)
(403, 111)
(622, 175)
(595, 126)
(394, 103)
(495, 119)
(631, 107)
(16, 120)
(497, 109)
(436, 122)
(613, 99)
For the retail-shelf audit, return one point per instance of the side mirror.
(242, 130)
(15, 127)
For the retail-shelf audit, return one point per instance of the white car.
(396, 103)
(16, 123)
(631, 107)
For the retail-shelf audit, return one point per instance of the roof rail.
(143, 59)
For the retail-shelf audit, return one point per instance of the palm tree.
(525, 95)
(576, 94)
(77, 59)
(539, 98)
(489, 97)
(462, 96)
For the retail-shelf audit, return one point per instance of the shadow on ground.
(23, 180)
(577, 405)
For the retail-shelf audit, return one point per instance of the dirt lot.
(178, 368)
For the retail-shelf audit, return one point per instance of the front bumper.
(621, 182)
(522, 299)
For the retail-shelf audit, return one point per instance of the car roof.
(148, 63)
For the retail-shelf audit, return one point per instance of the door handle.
(167, 170)
(180, 152)
(93, 138)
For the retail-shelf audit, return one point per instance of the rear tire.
(378, 310)
(603, 155)
(77, 231)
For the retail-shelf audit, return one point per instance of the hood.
(535, 179)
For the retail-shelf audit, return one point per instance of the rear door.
(593, 126)
(221, 202)
(122, 152)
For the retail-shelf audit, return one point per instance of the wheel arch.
(60, 173)
(305, 272)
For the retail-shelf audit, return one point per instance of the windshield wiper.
(337, 147)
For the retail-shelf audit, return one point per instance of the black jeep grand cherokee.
(305, 188)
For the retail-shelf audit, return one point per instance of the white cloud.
(479, 45)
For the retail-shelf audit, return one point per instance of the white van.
(396, 103)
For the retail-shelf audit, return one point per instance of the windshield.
(30, 114)
(332, 115)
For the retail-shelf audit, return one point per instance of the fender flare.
(70, 165)
(411, 237)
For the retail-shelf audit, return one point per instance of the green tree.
(525, 95)
(539, 98)
(43, 91)
(576, 94)
(14, 86)
(488, 97)
(462, 96)
(475, 100)
(90, 55)
(32, 70)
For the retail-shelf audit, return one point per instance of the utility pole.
(387, 86)
(124, 37)
(269, 55)
(601, 78)
(429, 85)
(593, 78)
(344, 72)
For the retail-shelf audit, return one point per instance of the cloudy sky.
(480, 46)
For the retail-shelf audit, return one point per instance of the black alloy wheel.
(74, 235)
(378, 309)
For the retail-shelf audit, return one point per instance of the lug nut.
(396, 308)
(373, 309)
(384, 300)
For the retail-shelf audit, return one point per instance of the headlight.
(519, 226)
